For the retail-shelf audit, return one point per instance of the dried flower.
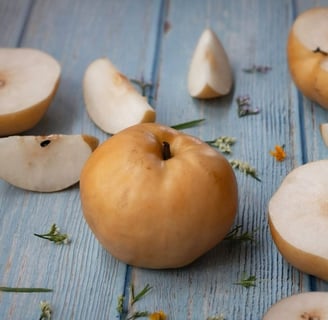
(223, 143)
(244, 106)
(244, 167)
(45, 311)
(54, 235)
(218, 317)
(120, 304)
(279, 153)
(158, 315)
(257, 69)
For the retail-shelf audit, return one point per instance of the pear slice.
(298, 218)
(210, 73)
(324, 132)
(112, 102)
(44, 163)
(301, 306)
(28, 81)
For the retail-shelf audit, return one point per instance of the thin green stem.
(188, 124)
(24, 290)
(141, 294)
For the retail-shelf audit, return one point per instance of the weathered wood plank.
(312, 116)
(149, 41)
(85, 279)
(253, 32)
(13, 16)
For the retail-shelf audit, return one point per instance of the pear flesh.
(210, 73)
(28, 81)
(44, 163)
(307, 54)
(298, 218)
(302, 306)
(324, 132)
(111, 100)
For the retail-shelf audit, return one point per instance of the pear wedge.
(44, 163)
(111, 100)
(324, 132)
(28, 81)
(210, 73)
(301, 306)
(298, 218)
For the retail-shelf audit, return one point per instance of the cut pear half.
(28, 81)
(307, 54)
(111, 100)
(298, 218)
(44, 163)
(301, 306)
(210, 73)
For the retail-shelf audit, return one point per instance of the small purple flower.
(244, 106)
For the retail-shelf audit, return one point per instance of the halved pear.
(324, 132)
(112, 102)
(301, 306)
(298, 218)
(307, 53)
(44, 163)
(28, 81)
(210, 73)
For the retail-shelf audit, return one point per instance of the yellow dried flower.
(279, 153)
(158, 315)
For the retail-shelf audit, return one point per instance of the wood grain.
(154, 41)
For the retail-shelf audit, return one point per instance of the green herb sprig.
(125, 314)
(236, 235)
(24, 290)
(247, 281)
(54, 235)
(136, 297)
(188, 124)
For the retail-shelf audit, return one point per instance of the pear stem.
(320, 51)
(166, 152)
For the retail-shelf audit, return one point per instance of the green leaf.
(247, 282)
(186, 125)
(24, 290)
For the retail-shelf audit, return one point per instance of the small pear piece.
(324, 132)
(210, 73)
(28, 81)
(301, 306)
(112, 102)
(298, 218)
(44, 163)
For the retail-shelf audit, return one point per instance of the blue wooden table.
(154, 41)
